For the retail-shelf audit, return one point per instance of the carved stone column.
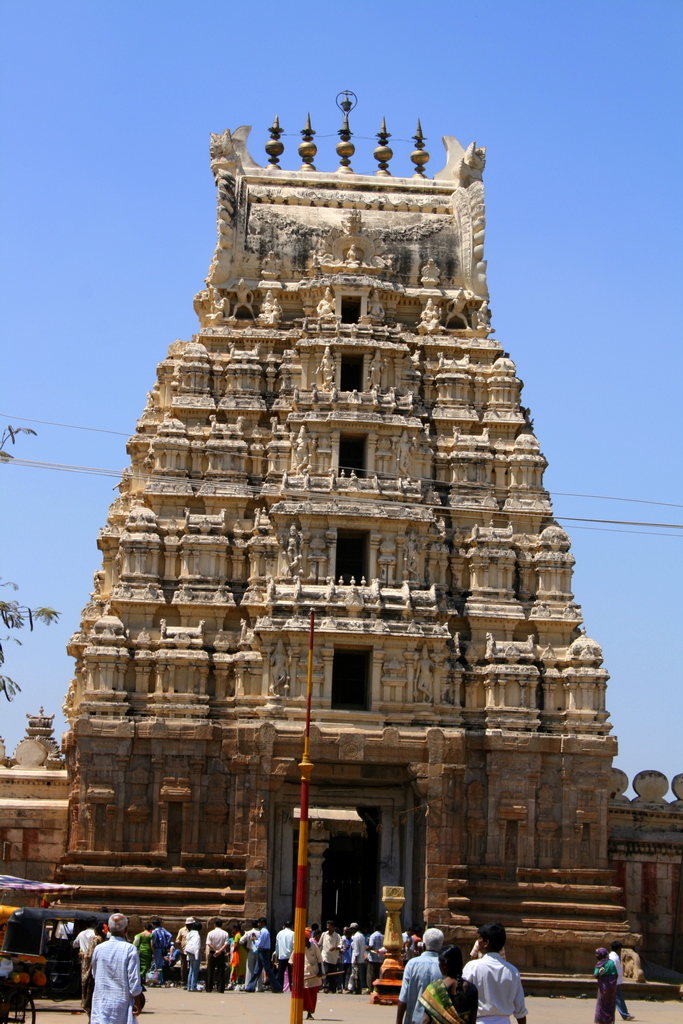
(317, 846)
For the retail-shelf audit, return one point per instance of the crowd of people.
(437, 987)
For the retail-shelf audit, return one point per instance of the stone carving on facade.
(423, 677)
(279, 686)
(430, 275)
(430, 318)
(327, 370)
(326, 307)
(293, 551)
(352, 248)
(271, 310)
(471, 166)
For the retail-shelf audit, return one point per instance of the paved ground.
(175, 1006)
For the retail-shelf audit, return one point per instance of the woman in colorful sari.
(606, 973)
(143, 944)
(238, 956)
(450, 1000)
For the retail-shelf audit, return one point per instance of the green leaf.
(8, 687)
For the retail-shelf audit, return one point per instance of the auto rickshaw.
(38, 959)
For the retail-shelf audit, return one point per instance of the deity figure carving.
(327, 369)
(271, 310)
(375, 370)
(302, 451)
(483, 317)
(293, 551)
(354, 258)
(270, 268)
(375, 307)
(279, 672)
(326, 306)
(455, 314)
(219, 309)
(404, 448)
(431, 275)
(411, 557)
(423, 677)
(430, 319)
(244, 299)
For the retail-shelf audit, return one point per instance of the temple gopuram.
(344, 434)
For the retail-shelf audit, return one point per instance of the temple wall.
(646, 855)
(33, 821)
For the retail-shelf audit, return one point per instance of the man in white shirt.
(82, 940)
(357, 960)
(330, 947)
(498, 982)
(284, 947)
(615, 956)
(217, 945)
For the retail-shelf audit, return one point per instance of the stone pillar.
(316, 851)
(376, 678)
(375, 541)
(370, 454)
(328, 658)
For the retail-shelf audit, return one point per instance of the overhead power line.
(71, 426)
(559, 494)
(149, 478)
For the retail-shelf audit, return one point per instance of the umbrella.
(11, 882)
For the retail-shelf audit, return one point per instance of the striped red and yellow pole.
(297, 1006)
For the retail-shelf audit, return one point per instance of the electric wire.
(478, 510)
(561, 494)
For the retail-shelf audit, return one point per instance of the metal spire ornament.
(308, 148)
(419, 156)
(275, 148)
(345, 148)
(383, 153)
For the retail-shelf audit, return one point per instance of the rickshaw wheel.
(22, 1009)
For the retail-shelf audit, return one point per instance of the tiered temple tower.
(343, 433)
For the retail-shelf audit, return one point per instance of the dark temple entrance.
(350, 874)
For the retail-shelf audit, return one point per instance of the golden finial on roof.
(383, 153)
(345, 148)
(419, 156)
(308, 148)
(275, 148)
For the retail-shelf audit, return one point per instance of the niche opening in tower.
(352, 551)
(350, 680)
(351, 378)
(352, 454)
(350, 309)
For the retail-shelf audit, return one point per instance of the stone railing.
(651, 788)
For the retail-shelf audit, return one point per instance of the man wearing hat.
(180, 941)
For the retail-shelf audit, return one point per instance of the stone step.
(491, 906)
(574, 985)
(545, 889)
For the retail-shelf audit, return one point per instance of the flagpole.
(306, 766)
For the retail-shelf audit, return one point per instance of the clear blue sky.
(108, 229)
